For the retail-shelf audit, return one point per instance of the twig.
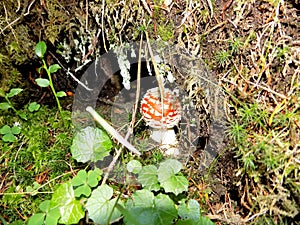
(94, 43)
(156, 71)
(6, 19)
(69, 73)
(86, 14)
(19, 6)
(225, 7)
(112, 164)
(147, 8)
(112, 131)
(211, 8)
(43, 185)
(138, 85)
(102, 24)
(213, 28)
(260, 86)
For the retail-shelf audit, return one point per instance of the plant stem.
(11, 105)
(52, 87)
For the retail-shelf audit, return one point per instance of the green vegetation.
(8, 104)
(34, 162)
(252, 49)
(146, 206)
(40, 50)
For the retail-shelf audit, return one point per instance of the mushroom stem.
(164, 136)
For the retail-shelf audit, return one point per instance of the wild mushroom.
(161, 119)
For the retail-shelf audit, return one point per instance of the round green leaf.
(61, 94)
(33, 106)
(42, 82)
(83, 190)
(169, 180)
(15, 130)
(148, 178)
(5, 129)
(80, 178)
(52, 217)
(45, 205)
(40, 49)
(9, 138)
(134, 166)
(14, 91)
(151, 210)
(53, 68)
(93, 178)
(168, 168)
(100, 205)
(36, 219)
(4, 106)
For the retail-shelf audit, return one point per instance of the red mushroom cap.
(151, 109)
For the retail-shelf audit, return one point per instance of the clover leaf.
(9, 133)
(84, 181)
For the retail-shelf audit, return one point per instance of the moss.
(166, 32)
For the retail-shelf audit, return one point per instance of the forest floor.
(251, 49)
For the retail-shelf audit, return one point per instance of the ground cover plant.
(252, 50)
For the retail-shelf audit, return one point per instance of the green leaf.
(134, 166)
(5, 129)
(42, 82)
(53, 68)
(148, 178)
(13, 92)
(100, 205)
(52, 217)
(36, 219)
(45, 205)
(200, 221)
(169, 180)
(9, 138)
(33, 106)
(84, 181)
(15, 130)
(83, 190)
(93, 178)
(4, 106)
(40, 49)
(71, 210)
(150, 210)
(61, 94)
(22, 115)
(189, 211)
(91, 144)
(80, 178)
